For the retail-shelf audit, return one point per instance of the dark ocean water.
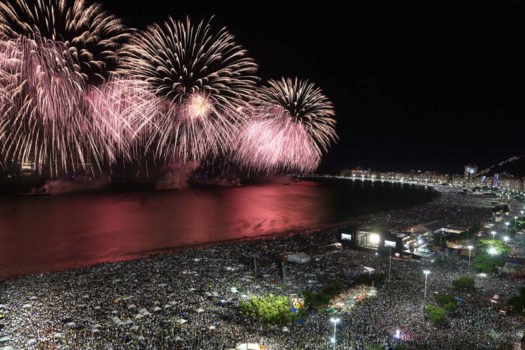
(50, 233)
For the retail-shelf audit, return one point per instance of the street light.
(390, 265)
(493, 251)
(506, 239)
(507, 227)
(426, 272)
(493, 235)
(515, 218)
(334, 321)
(469, 252)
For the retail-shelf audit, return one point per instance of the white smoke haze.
(177, 175)
(77, 184)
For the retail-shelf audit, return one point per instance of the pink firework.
(272, 141)
(192, 130)
(43, 117)
(202, 78)
(291, 125)
(89, 36)
(123, 111)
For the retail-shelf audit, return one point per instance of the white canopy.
(248, 346)
(299, 258)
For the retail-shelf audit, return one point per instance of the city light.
(493, 251)
(506, 238)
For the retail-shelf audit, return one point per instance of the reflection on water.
(49, 233)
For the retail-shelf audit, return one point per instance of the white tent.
(248, 346)
(299, 258)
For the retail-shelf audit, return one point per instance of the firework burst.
(306, 104)
(123, 110)
(291, 125)
(271, 142)
(90, 36)
(202, 80)
(44, 120)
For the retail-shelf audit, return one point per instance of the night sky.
(414, 87)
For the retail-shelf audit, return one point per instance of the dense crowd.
(453, 207)
(188, 300)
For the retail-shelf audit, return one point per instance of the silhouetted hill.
(514, 166)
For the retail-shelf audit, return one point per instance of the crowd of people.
(188, 300)
(453, 207)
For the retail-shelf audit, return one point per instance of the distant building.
(27, 168)
(470, 170)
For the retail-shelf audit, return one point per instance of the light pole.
(493, 235)
(334, 321)
(426, 272)
(507, 227)
(390, 265)
(506, 239)
(469, 252)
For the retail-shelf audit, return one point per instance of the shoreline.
(392, 219)
(301, 228)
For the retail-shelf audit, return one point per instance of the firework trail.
(44, 119)
(291, 125)
(91, 37)
(202, 81)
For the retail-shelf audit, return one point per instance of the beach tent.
(299, 258)
(248, 346)
(5, 339)
(117, 320)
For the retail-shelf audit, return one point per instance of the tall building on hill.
(470, 170)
